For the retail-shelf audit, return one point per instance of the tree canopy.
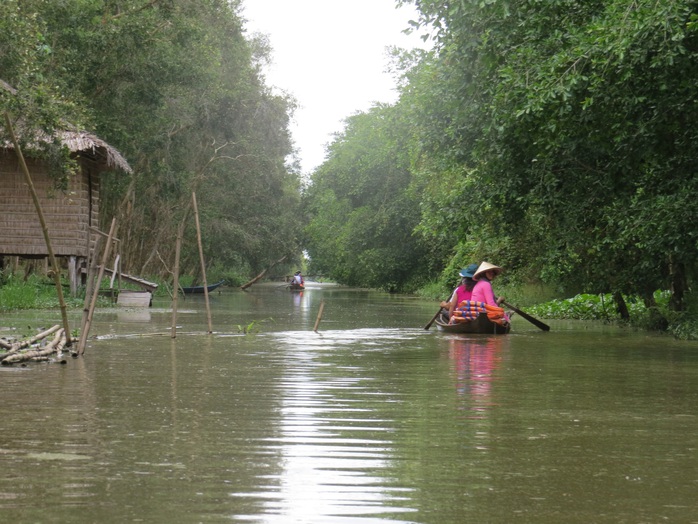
(555, 139)
(177, 87)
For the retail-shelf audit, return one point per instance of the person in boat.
(483, 292)
(482, 299)
(464, 289)
(298, 279)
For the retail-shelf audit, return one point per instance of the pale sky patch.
(331, 55)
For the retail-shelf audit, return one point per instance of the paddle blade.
(532, 320)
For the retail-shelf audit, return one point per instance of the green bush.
(34, 293)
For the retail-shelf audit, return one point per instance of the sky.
(331, 56)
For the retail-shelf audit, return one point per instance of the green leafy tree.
(568, 122)
(362, 213)
(176, 86)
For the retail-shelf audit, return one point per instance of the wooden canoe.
(480, 325)
(195, 290)
(296, 287)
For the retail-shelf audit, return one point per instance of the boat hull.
(481, 325)
(296, 287)
(195, 290)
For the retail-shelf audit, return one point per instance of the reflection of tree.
(474, 362)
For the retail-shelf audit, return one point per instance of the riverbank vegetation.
(554, 139)
(550, 138)
(177, 87)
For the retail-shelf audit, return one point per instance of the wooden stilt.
(73, 274)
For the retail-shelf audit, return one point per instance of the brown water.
(370, 420)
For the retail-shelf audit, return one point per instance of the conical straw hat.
(486, 266)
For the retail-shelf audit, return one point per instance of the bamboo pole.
(319, 315)
(17, 346)
(95, 291)
(175, 296)
(90, 282)
(201, 257)
(56, 345)
(44, 228)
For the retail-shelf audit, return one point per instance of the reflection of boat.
(195, 290)
(481, 324)
(296, 287)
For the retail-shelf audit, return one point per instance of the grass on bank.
(33, 293)
(39, 292)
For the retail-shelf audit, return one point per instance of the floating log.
(56, 345)
(17, 346)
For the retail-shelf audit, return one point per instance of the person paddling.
(483, 292)
(298, 279)
(463, 291)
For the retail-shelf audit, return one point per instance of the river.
(371, 419)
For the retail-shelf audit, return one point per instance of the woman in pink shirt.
(463, 291)
(482, 292)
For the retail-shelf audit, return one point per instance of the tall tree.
(176, 85)
(362, 214)
(569, 123)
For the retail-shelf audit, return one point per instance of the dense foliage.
(555, 139)
(362, 214)
(176, 86)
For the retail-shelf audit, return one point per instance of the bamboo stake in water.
(95, 291)
(44, 228)
(175, 296)
(201, 257)
(319, 315)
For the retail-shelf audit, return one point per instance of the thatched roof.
(88, 145)
(80, 143)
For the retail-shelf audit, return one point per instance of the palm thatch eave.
(80, 143)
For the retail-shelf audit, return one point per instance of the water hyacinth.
(589, 306)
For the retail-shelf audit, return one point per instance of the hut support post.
(73, 275)
(201, 257)
(44, 228)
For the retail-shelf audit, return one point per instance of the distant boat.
(296, 287)
(196, 290)
(481, 324)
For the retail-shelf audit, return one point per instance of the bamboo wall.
(68, 214)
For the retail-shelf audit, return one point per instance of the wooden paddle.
(532, 320)
(437, 315)
(433, 319)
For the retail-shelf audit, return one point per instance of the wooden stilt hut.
(72, 214)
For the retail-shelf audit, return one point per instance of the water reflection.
(372, 420)
(335, 450)
(475, 361)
